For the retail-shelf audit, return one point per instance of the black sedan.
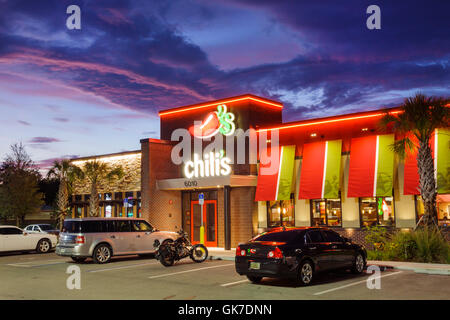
(298, 253)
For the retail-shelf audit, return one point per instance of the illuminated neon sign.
(215, 122)
(212, 165)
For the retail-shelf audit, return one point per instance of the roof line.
(266, 101)
(339, 118)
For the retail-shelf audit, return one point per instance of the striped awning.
(276, 170)
(440, 146)
(371, 166)
(320, 172)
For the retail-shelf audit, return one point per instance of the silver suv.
(101, 238)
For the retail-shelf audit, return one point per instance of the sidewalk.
(428, 268)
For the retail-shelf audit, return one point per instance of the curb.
(444, 272)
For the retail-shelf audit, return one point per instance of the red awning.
(275, 174)
(311, 175)
(362, 164)
(266, 187)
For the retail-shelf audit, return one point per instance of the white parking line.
(233, 283)
(192, 270)
(31, 264)
(354, 284)
(123, 267)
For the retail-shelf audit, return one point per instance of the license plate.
(63, 250)
(255, 265)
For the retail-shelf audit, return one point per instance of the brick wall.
(244, 214)
(160, 208)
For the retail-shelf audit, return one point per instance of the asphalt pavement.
(46, 276)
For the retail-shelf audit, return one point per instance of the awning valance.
(320, 172)
(275, 174)
(371, 166)
(440, 147)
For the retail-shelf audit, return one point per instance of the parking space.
(34, 276)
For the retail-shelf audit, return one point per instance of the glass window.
(36, 228)
(281, 213)
(45, 227)
(140, 225)
(71, 226)
(377, 211)
(315, 236)
(123, 226)
(442, 205)
(283, 236)
(91, 226)
(29, 228)
(326, 212)
(78, 197)
(331, 236)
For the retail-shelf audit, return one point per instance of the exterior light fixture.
(313, 135)
(364, 129)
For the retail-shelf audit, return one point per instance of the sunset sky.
(68, 93)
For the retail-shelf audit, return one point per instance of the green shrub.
(400, 247)
(431, 246)
(421, 245)
(377, 237)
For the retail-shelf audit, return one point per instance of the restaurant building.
(336, 171)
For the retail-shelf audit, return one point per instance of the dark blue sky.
(97, 90)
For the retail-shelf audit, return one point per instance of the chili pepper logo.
(217, 121)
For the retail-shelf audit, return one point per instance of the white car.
(41, 228)
(16, 239)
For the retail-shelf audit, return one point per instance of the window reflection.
(377, 211)
(281, 213)
(326, 212)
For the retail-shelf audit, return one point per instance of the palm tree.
(96, 172)
(66, 173)
(420, 116)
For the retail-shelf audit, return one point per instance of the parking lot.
(35, 276)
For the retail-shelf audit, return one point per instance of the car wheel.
(254, 279)
(43, 246)
(102, 254)
(305, 273)
(78, 259)
(359, 263)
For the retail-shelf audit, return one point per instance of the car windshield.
(281, 236)
(45, 227)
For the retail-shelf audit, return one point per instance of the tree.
(415, 125)
(19, 189)
(98, 172)
(65, 173)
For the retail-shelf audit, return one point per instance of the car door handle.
(333, 247)
(138, 236)
(313, 248)
(113, 237)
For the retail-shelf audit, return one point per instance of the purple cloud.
(40, 140)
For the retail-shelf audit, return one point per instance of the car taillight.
(275, 254)
(79, 239)
(240, 252)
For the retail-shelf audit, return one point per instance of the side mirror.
(25, 234)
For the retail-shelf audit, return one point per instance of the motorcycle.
(170, 251)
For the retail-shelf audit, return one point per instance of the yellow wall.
(405, 211)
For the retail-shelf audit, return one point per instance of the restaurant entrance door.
(209, 222)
